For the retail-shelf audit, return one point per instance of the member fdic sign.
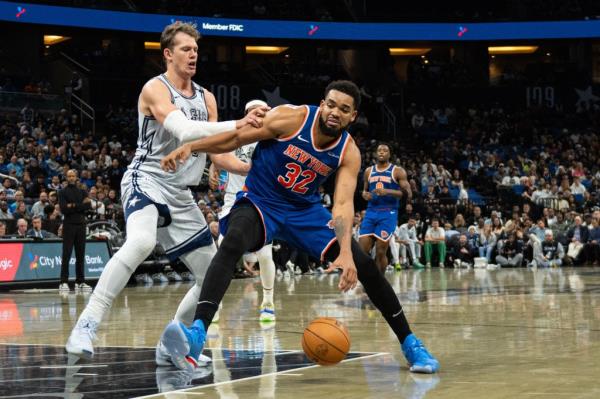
(41, 260)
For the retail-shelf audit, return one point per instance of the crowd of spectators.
(474, 170)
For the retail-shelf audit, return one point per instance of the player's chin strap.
(187, 130)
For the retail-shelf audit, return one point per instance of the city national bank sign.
(41, 260)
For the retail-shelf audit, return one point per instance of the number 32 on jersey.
(296, 178)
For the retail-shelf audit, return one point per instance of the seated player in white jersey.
(384, 185)
(159, 206)
(264, 256)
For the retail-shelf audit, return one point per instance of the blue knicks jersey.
(383, 179)
(290, 170)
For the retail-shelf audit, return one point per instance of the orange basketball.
(326, 341)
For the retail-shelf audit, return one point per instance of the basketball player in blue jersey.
(384, 185)
(299, 147)
(159, 206)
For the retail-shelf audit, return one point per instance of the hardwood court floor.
(510, 333)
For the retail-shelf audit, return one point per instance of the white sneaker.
(267, 313)
(80, 342)
(187, 276)
(174, 276)
(161, 356)
(64, 287)
(442, 265)
(298, 271)
(83, 287)
(456, 263)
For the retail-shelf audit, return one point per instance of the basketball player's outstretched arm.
(278, 122)
(155, 101)
(343, 215)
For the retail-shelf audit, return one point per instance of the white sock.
(395, 250)
(139, 244)
(267, 272)
(197, 261)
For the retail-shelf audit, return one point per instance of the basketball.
(326, 341)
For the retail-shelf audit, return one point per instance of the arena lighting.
(265, 49)
(152, 45)
(512, 49)
(49, 40)
(408, 51)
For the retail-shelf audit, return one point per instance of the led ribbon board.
(138, 22)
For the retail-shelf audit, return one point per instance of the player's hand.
(180, 155)
(213, 179)
(379, 191)
(254, 118)
(349, 277)
(367, 196)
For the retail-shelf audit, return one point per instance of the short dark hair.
(346, 87)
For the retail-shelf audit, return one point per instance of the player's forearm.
(230, 163)
(218, 144)
(187, 130)
(394, 193)
(343, 217)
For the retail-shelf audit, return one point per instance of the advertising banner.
(41, 260)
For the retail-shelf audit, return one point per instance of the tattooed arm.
(343, 215)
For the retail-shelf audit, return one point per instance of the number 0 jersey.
(290, 170)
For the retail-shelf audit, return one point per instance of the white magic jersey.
(154, 142)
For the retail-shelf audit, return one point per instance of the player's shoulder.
(286, 119)
(154, 86)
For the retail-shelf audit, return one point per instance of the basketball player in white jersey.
(264, 256)
(159, 206)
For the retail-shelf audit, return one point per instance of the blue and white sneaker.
(419, 359)
(183, 344)
(267, 313)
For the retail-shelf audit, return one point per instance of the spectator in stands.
(487, 243)
(15, 166)
(38, 207)
(21, 229)
(435, 238)
(5, 213)
(3, 230)
(459, 223)
(21, 211)
(461, 252)
(577, 188)
(8, 190)
(325, 198)
(36, 230)
(114, 175)
(551, 253)
(511, 252)
(54, 184)
(591, 250)
(19, 197)
(577, 237)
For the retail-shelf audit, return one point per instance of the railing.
(72, 60)
(388, 117)
(85, 109)
(38, 102)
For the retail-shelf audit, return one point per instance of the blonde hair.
(167, 37)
